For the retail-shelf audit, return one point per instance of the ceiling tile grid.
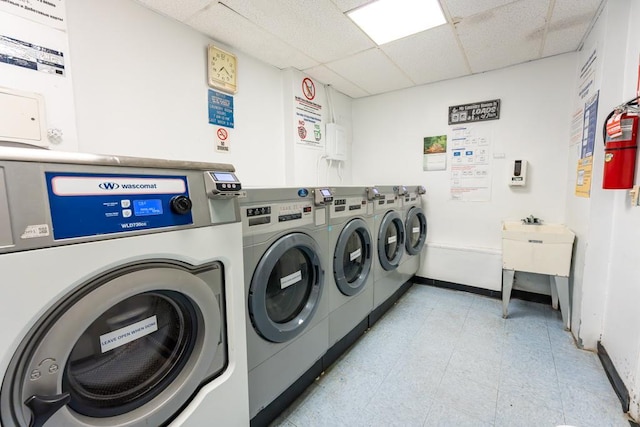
(504, 36)
(330, 77)
(317, 37)
(429, 56)
(315, 27)
(226, 26)
(372, 70)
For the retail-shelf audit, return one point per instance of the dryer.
(350, 286)
(390, 238)
(121, 293)
(285, 242)
(415, 224)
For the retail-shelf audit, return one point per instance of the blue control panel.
(84, 205)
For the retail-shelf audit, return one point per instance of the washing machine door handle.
(43, 407)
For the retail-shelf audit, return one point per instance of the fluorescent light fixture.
(388, 20)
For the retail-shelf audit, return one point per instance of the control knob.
(181, 205)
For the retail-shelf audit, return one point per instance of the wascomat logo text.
(101, 185)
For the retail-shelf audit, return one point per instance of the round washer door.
(130, 348)
(286, 287)
(416, 230)
(352, 257)
(390, 241)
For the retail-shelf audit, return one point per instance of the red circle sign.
(308, 88)
(222, 134)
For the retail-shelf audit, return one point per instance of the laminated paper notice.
(415, 230)
(291, 279)
(391, 240)
(122, 336)
(355, 254)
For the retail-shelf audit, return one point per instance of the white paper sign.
(391, 240)
(33, 231)
(355, 254)
(127, 334)
(291, 279)
(415, 230)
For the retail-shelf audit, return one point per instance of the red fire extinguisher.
(620, 135)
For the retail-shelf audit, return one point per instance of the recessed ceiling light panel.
(388, 20)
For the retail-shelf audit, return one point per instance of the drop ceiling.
(316, 37)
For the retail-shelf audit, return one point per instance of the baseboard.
(343, 344)
(523, 295)
(614, 377)
(282, 402)
(379, 311)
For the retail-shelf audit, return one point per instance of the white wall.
(464, 242)
(56, 90)
(620, 333)
(140, 89)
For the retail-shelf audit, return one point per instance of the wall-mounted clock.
(222, 69)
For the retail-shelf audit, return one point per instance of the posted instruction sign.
(474, 112)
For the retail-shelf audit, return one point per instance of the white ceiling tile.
(465, 8)
(372, 71)
(316, 27)
(347, 5)
(571, 11)
(508, 35)
(330, 77)
(180, 10)
(564, 40)
(429, 56)
(224, 25)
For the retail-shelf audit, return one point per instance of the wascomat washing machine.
(415, 226)
(121, 292)
(350, 286)
(285, 257)
(390, 242)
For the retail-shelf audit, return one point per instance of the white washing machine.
(285, 257)
(390, 238)
(122, 293)
(415, 225)
(352, 250)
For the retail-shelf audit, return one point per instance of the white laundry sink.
(537, 248)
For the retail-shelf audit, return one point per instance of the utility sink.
(537, 248)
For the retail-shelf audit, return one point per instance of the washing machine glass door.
(352, 257)
(129, 348)
(390, 241)
(286, 287)
(416, 230)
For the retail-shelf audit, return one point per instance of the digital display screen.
(147, 207)
(325, 192)
(225, 176)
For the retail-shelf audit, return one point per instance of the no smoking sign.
(222, 143)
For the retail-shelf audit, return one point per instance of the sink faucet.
(532, 220)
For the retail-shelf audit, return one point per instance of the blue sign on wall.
(220, 109)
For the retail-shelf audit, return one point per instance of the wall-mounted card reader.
(518, 173)
(322, 196)
(221, 185)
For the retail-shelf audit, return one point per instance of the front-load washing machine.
(285, 242)
(390, 237)
(350, 286)
(415, 225)
(121, 292)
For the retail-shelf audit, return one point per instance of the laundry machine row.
(313, 268)
(122, 300)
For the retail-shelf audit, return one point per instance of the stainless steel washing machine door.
(127, 349)
(416, 230)
(390, 241)
(286, 287)
(352, 257)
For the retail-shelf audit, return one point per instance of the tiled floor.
(448, 358)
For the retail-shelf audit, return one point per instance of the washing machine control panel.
(348, 206)
(87, 204)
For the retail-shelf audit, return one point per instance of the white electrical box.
(518, 175)
(23, 117)
(336, 142)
